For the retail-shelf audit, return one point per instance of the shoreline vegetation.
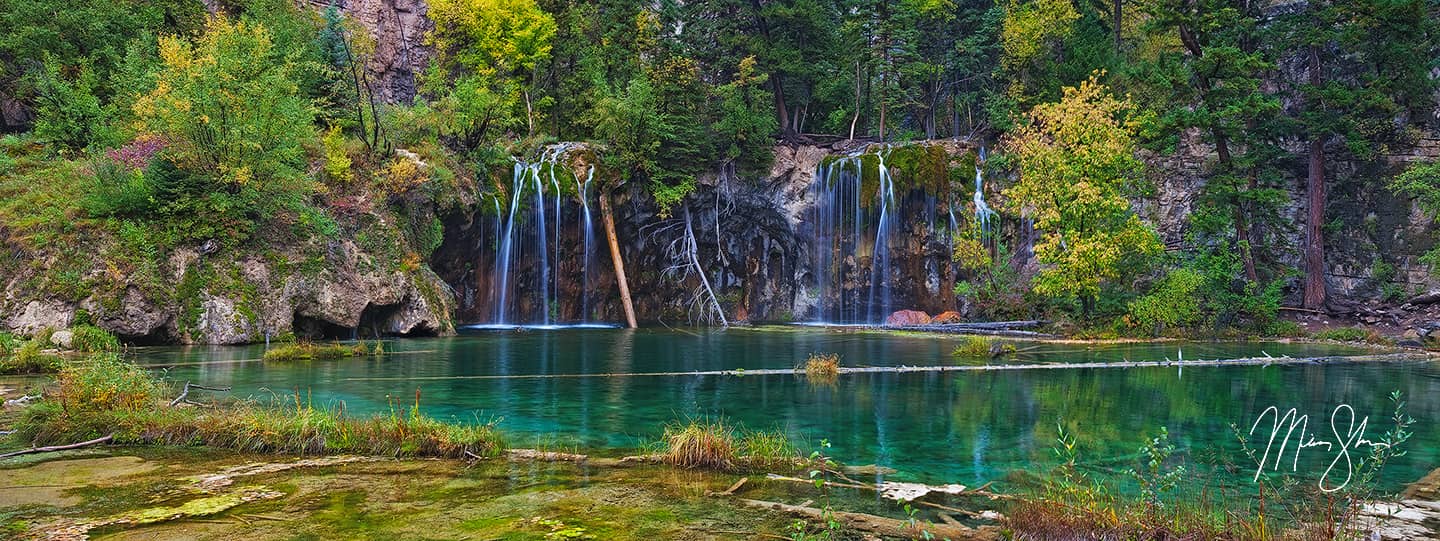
(102, 398)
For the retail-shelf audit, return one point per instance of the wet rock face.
(756, 240)
(218, 301)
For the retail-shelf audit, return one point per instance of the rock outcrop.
(226, 298)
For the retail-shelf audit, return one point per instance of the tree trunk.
(608, 217)
(778, 86)
(856, 119)
(1116, 24)
(884, 62)
(1315, 197)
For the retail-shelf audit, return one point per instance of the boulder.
(948, 316)
(908, 317)
(40, 315)
(62, 339)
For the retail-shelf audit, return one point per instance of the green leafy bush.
(231, 109)
(106, 382)
(92, 339)
(1172, 302)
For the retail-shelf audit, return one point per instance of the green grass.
(1348, 334)
(716, 445)
(27, 356)
(982, 347)
(309, 351)
(106, 395)
(92, 339)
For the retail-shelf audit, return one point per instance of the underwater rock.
(908, 317)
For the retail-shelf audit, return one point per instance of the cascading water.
(983, 212)
(532, 240)
(583, 188)
(845, 210)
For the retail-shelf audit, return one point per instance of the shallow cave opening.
(310, 328)
(158, 336)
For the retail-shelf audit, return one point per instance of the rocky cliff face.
(758, 241)
(1373, 238)
(221, 298)
(398, 28)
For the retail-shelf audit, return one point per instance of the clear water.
(966, 427)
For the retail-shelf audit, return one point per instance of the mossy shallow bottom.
(396, 499)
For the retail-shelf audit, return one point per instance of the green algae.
(55, 482)
(401, 499)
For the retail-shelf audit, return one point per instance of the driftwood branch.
(53, 448)
(185, 394)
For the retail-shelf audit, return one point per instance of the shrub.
(21, 356)
(337, 157)
(1173, 301)
(92, 339)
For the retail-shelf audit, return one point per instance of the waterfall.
(584, 190)
(530, 248)
(880, 254)
(842, 220)
(983, 212)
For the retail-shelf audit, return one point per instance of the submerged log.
(877, 524)
(1243, 361)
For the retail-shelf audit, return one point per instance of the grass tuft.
(92, 339)
(719, 446)
(982, 347)
(701, 444)
(823, 366)
(310, 351)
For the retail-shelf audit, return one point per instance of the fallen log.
(53, 448)
(879, 525)
(1429, 297)
(1243, 361)
(900, 492)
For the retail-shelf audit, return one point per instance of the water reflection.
(955, 427)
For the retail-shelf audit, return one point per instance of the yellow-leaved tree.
(1077, 164)
(487, 53)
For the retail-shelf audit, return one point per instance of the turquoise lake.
(965, 427)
